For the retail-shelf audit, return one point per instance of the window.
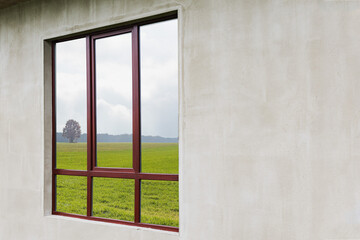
(115, 125)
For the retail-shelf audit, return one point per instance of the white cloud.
(113, 119)
(159, 79)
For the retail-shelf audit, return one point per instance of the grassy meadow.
(114, 197)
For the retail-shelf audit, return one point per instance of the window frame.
(92, 170)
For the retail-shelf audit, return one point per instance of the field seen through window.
(114, 197)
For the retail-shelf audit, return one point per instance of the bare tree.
(72, 130)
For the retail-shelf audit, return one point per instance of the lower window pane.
(71, 194)
(113, 198)
(160, 202)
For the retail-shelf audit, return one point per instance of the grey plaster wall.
(269, 126)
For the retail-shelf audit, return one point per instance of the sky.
(159, 82)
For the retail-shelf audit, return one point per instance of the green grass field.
(114, 197)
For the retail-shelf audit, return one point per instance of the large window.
(115, 125)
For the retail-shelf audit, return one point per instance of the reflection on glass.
(114, 101)
(113, 198)
(160, 202)
(71, 105)
(71, 194)
(159, 97)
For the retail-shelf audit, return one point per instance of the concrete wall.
(270, 118)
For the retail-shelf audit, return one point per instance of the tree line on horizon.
(72, 134)
(104, 137)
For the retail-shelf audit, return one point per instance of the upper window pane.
(70, 86)
(114, 101)
(159, 97)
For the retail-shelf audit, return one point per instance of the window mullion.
(136, 118)
(136, 100)
(90, 120)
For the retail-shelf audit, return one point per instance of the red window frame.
(92, 170)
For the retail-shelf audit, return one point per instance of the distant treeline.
(103, 137)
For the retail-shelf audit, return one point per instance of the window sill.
(110, 224)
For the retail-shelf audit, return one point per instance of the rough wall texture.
(270, 118)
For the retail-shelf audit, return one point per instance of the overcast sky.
(159, 82)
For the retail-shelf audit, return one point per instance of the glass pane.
(159, 97)
(114, 101)
(71, 105)
(160, 202)
(113, 198)
(71, 194)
